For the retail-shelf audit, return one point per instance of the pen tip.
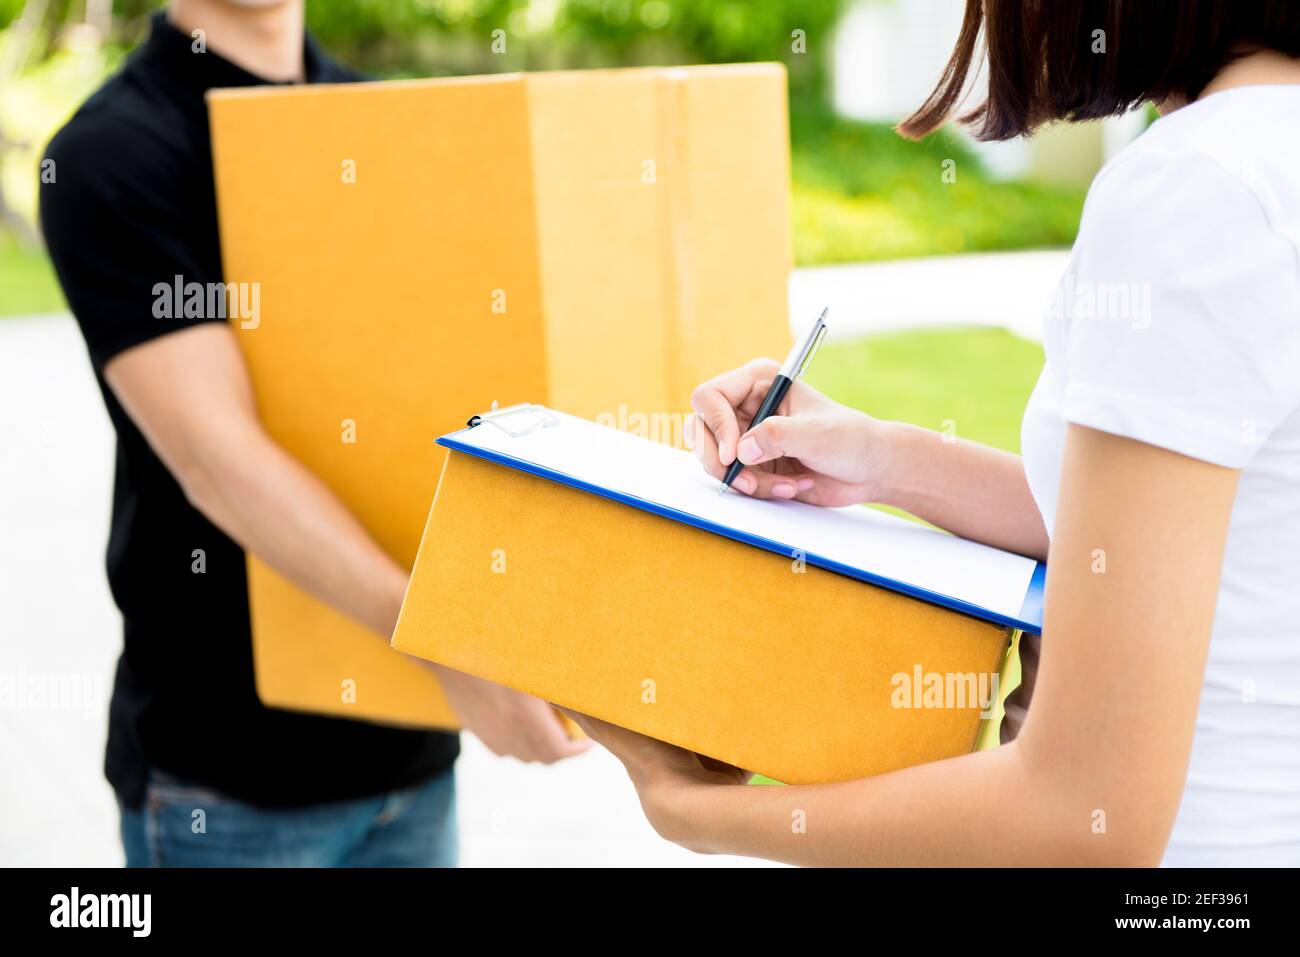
(722, 491)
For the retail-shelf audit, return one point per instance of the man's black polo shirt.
(132, 204)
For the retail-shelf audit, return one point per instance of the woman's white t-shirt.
(1177, 323)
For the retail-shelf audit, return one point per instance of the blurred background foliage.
(859, 191)
(391, 38)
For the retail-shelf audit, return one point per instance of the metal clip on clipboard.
(516, 420)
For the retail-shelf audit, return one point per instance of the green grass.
(27, 282)
(978, 379)
(862, 192)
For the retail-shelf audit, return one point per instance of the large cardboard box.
(798, 673)
(601, 241)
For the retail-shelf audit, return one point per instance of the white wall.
(887, 56)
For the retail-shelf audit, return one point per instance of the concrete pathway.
(60, 633)
(985, 289)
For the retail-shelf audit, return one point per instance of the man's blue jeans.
(185, 825)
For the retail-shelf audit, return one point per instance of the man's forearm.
(972, 490)
(190, 396)
(280, 512)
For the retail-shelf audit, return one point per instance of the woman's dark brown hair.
(1085, 59)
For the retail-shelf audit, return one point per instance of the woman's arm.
(821, 452)
(1096, 775)
(969, 489)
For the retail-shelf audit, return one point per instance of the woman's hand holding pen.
(814, 449)
(818, 451)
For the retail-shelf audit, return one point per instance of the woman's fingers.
(767, 484)
(716, 402)
(718, 413)
(780, 436)
(706, 450)
(767, 441)
(776, 452)
(746, 481)
(705, 447)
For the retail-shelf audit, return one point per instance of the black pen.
(795, 363)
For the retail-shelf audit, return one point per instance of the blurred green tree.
(446, 37)
(859, 191)
(431, 37)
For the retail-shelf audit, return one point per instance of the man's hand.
(510, 723)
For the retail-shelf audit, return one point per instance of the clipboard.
(524, 419)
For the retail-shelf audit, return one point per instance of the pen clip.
(806, 348)
(812, 350)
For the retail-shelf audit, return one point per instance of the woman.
(1161, 464)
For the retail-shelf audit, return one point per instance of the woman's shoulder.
(1233, 147)
(1191, 245)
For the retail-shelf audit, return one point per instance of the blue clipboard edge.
(1030, 619)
